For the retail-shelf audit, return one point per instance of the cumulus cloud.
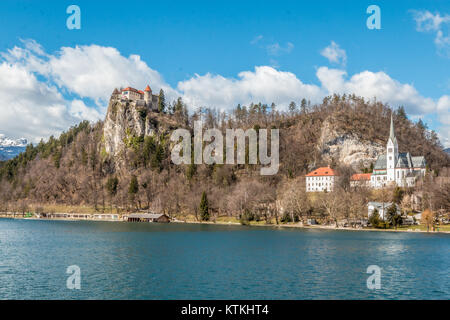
(28, 107)
(93, 71)
(35, 108)
(335, 54)
(89, 71)
(43, 94)
(376, 84)
(265, 84)
(437, 24)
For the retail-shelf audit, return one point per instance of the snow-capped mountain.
(9, 148)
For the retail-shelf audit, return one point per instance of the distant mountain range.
(9, 148)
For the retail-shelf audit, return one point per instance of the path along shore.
(117, 218)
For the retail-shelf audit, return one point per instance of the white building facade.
(394, 168)
(381, 208)
(321, 180)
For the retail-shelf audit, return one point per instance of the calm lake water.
(180, 261)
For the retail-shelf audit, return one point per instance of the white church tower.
(391, 153)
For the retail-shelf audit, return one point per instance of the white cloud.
(436, 23)
(33, 96)
(335, 54)
(265, 84)
(426, 21)
(81, 111)
(88, 71)
(94, 71)
(256, 39)
(376, 84)
(275, 49)
(444, 136)
(43, 94)
(28, 107)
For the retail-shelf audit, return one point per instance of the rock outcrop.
(347, 147)
(128, 120)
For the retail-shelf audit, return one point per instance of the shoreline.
(298, 226)
(319, 227)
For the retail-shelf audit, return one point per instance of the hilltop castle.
(142, 98)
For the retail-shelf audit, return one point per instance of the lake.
(189, 261)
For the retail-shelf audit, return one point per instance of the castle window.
(390, 149)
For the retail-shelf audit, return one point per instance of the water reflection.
(178, 261)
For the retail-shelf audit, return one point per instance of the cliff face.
(128, 120)
(347, 147)
(125, 119)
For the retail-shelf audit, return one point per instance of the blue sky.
(193, 46)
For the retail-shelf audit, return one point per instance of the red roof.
(130, 89)
(148, 88)
(322, 171)
(133, 89)
(360, 176)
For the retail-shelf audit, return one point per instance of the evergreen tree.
(178, 106)
(374, 219)
(157, 157)
(134, 186)
(292, 107)
(111, 187)
(401, 112)
(204, 209)
(393, 217)
(303, 107)
(398, 195)
(162, 101)
(148, 149)
(57, 158)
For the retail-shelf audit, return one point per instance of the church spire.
(391, 132)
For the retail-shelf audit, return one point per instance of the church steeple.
(391, 132)
(391, 152)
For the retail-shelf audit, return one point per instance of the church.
(396, 168)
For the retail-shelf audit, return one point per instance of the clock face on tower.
(390, 149)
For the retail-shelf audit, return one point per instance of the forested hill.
(78, 169)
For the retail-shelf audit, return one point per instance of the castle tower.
(391, 153)
(148, 96)
(115, 93)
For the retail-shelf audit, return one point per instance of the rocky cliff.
(130, 120)
(347, 147)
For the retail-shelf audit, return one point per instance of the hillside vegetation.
(76, 170)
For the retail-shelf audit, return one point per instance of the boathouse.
(148, 217)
